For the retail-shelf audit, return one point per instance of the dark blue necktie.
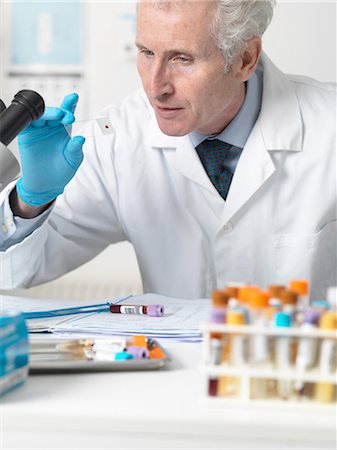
(219, 160)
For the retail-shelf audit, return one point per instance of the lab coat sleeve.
(84, 221)
(13, 228)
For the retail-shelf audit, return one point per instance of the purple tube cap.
(138, 352)
(155, 310)
(311, 316)
(218, 315)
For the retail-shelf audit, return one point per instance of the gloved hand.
(49, 157)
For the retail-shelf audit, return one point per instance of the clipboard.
(58, 362)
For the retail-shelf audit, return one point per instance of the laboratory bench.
(165, 408)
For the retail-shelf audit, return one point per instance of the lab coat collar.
(186, 160)
(280, 116)
(156, 138)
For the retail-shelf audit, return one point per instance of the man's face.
(182, 70)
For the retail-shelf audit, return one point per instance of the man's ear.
(247, 59)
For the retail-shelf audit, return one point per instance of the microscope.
(26, 106)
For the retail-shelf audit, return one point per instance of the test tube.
(259, 343)
(289, 299)
(301, 287)
(218, 315)
(259, 349)
(325, 392)
(307, 348)
(233, 296)
(283, 360)
(229, 386)
(332, 297)
(219, 305)
(275, 291)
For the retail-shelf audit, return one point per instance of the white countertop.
(154, 409)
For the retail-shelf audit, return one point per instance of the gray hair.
(237, 21)
(234, 23)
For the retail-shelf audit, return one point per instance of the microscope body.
(9, 166)
(26, 107)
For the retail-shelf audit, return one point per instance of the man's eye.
(146, 52)
(182, 59)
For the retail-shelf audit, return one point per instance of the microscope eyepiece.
(26, 106)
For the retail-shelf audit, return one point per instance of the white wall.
(301, 39)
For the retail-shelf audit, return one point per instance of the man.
(221, 169)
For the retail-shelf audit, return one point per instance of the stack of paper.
(181, 320)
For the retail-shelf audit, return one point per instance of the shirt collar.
(237, 131)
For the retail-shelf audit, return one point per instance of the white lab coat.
(278, 222)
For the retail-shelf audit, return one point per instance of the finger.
(69, 102)
(68, 118)
(73, 152)
(50, 114)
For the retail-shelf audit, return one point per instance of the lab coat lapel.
(255, 166)
(186, 160)
(278, 128)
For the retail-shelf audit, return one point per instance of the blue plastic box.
(14, 350)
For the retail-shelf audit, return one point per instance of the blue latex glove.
(49, 157)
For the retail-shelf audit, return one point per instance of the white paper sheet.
(181, 320)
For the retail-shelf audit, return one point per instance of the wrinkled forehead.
(171, 21)
(190, 9)
(170, 4)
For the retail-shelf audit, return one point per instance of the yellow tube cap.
(235, 318)
(328, 320)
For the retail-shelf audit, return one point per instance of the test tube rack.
(260, 384)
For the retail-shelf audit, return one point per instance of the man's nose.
(160, 81)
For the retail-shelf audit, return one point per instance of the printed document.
(181, 321)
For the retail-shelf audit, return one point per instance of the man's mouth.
(166, 112)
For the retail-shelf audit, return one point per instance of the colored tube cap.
(219, 299)
(282, 319)
(232, 291)
(246, 291)
(321, 304)
(275, 290)
(218, 315)
(155, 310)
(139, 340)
(299, 286)
(311, 316)
(122, 356)
(139, 352)
(328, 320)
(289, 297)
(259, 299)
(236, 317)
